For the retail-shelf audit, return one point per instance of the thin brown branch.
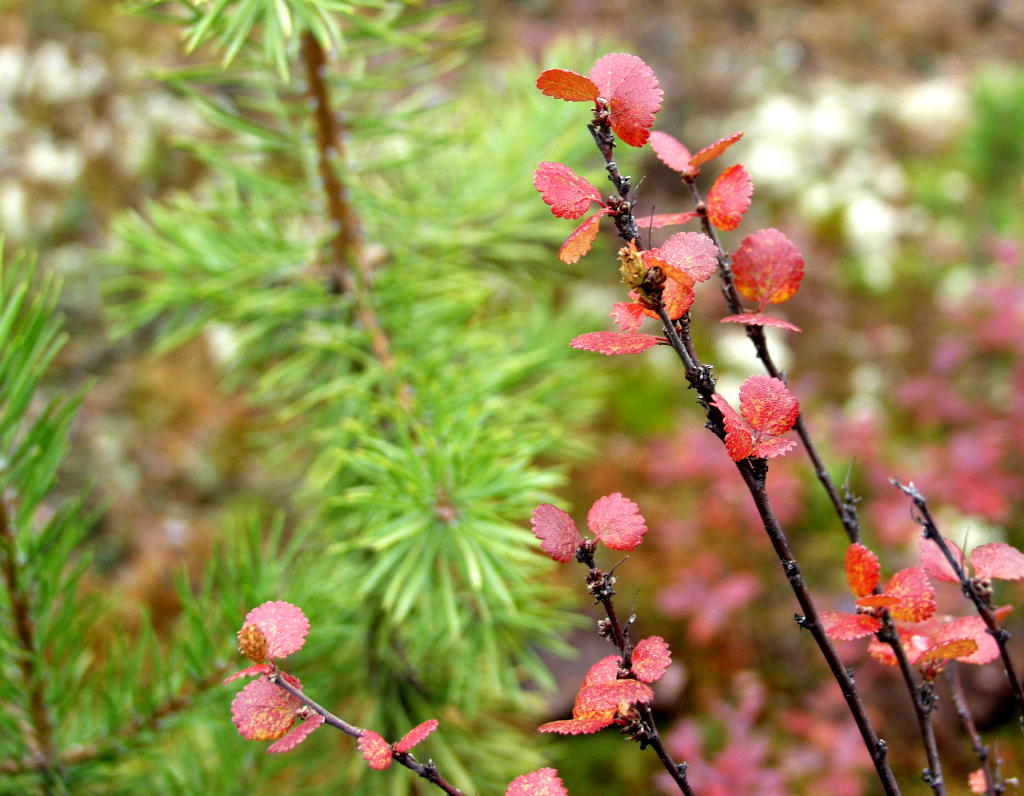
(963, 712)
(426, 770)
(924, 518)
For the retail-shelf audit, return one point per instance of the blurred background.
(886, 140)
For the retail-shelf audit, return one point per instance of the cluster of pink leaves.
(930, 640)
(614, 520)
(767, 410)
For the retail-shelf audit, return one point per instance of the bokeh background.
(886, 140)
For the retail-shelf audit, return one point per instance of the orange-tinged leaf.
(542, 782)
(651, 658)
(757, 319)
(608, 696)
(768, 405)
(284, 626)
(671, 152)
(297, 735)
(878, 601)
(917, 597)
(712, 151)
(617, 522)
(416, 735)
(738, 440)
(375, 750)
(997, 560)
(767, 268)
(847, 627)
(633, 95)
(665, 220)
(558, 534)
(691, 252)
(262, 711)
(567, 192)
(605, 670)
(677, 296)
(628, 315)
(583, 726)
(729, 197)
(972, 627)
(935, 563)
(581, 239)
(612, 343)
(773, 447)
(862, 569)
(567, 85)
(956, 649)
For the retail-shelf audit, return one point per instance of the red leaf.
(847, 627)
(757, 319)
(651, 658)
(566, 85)
(767, 268)
(608, 696)
(957, 649)
(935, 563)
(542, 782)
(972, 627)
(633, 95)
(997, 560)
(712, 151)
(773, 447)
(616, 521)
(862, 569)
(416, 735)
(567, 192)
(691, 252)
(375, 750)
(579, 726)
(628, 316)
(605, 670)
(768, 405)
(260, 668)
(297, 735)
(878, 601)
(283, 624)
(729, 197)
(558, 534)
(738, 440)
(581, 239)
(262, 711)
(665, 220)
(611, 343)
(677, 296)
(672, 153)
(915, 593)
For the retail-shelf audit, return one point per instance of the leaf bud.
(252, 643)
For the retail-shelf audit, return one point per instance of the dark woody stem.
(426, 770)
(982, 750)
(599, 584)
(923, 517)
(753, 471)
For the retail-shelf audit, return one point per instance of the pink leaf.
(375, 750)
(773, 447)
(633, 95)
(665, 220)
(768, 405)
(260, 668)
(738, 440)
(972, 627)
(558, 534)
(651, 658)
(935, 563)
(607, 696)
(729, 197)
(579, 726)
(757, 319)
(283, 624)
(712, 151)
(416, 735)
(542, 782)
(672, 153)
(915, 593)
(297, 735)
(628, 316)
(566, 85)
(567, 192)
(581, 239)
(997, 560)
(691, 252)
(605, 670)
(767, 267)
(262, 711)
(847, 627)
(611, 343)
(616, 521)
(977, 781)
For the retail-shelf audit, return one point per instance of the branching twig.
(426, 770)
(982, 750)
(923, 517)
